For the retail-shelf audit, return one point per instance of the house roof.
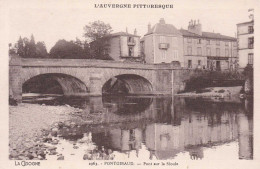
(163, 28)
(243, 23)
(122, 34)
(208, 35)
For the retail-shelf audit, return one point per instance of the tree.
(67, 50)
(20, 47)
(96, 30)
(97, 33)
(41, 51)
(28, 49)
(32, 48)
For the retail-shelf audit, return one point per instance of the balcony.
(164, 46)
(131, 43)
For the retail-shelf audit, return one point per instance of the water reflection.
(165, 127)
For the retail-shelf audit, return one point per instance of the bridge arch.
(54, 83)
(127, 84)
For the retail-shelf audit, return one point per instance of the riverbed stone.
(55, 129)
(30, 156)
(72, 124)
(54, 133)
(53, 152)
(86, 157)
(60, 157)
(54, 142)
(75, 147)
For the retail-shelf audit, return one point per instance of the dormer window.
(130, 39)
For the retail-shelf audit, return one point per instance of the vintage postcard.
(112, 84)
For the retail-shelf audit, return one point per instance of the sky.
(50, 21)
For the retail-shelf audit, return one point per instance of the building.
(123, 46)
(245, 35)
(208, 50)
(162, 44)
(192, 48)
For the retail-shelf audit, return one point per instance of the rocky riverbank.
(214, 92)
(36, 131)
(27, 123)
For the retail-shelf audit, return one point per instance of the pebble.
(72, 124)
(55, 129)
(85, 157)
(53, 152)
(54, 142)
(40, 157)
(52, 148)
(60, 124)
(75, 147)
(60, 158)
(54, 133)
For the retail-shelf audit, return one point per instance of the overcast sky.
(50, 21)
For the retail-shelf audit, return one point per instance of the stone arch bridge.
(94, 77)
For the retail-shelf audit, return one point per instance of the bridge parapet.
(90, 63)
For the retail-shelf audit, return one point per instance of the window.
(189, 40)
(175, 41)
(250, 29)
(189, 64)
(234, 53)
(217, 52)
(199, 41)
(217, 42)
(199, 51)
(208, 52)
(208, 42)
(162, 39)
(199, 62)
(250, 58)
(208, 64)
(251, 43)
(175, 54)
(226, 43)
(130, 51)
(106, 51)
(163, 54)
(189, 50)
(227, 52)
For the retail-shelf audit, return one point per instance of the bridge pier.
(15, 80)
(95, 85)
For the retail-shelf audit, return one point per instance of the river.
(149, 127)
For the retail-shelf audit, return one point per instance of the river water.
(150, 127)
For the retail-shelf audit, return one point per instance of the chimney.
(135, 32)
(149, 27)
(195, 27)
(162, 21)
(126, 30)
